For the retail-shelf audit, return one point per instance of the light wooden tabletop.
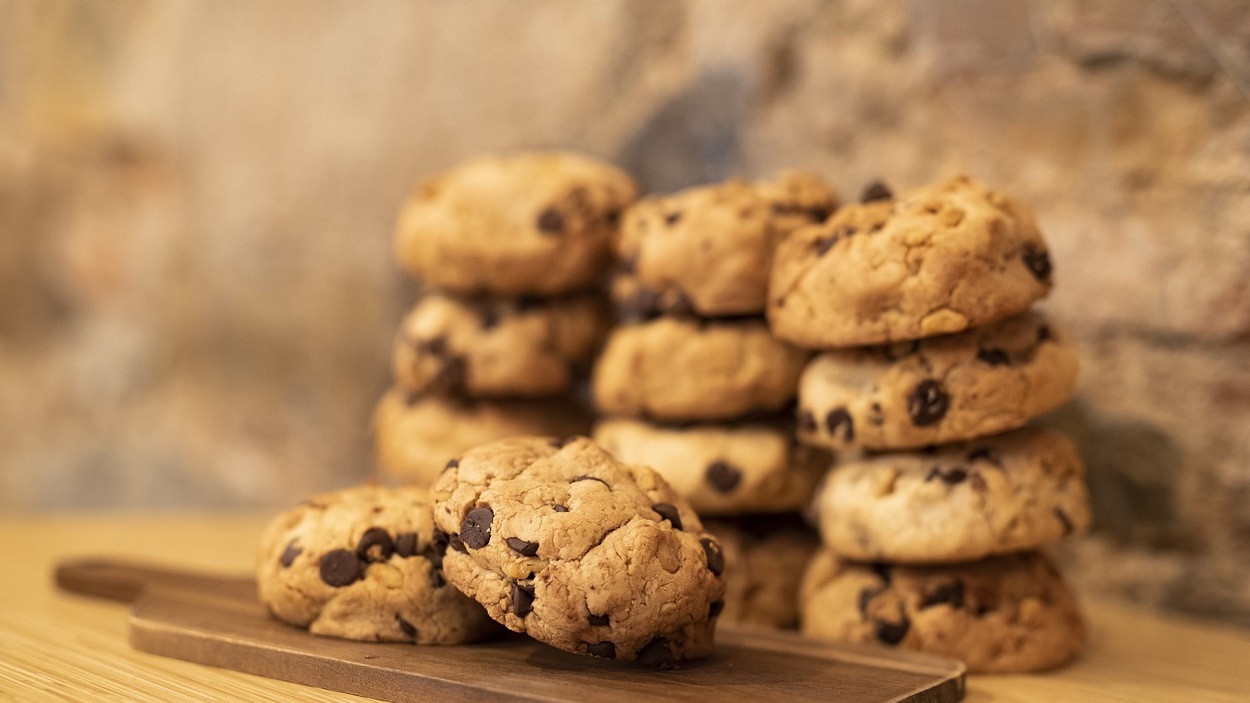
(55, 646)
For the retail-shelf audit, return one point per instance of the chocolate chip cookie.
(682, 369)
(492, 347)
(415, 436)
(1005, 614)
(364, 564)
(561, 541)
(765, 557)
(942, 389)
(532, 223)
(708, 250)
(722, 469)
(948, 257)
(959, 502)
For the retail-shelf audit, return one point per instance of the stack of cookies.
(694, 384)
(509, 251)
(932, 365)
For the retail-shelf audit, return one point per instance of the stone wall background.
(196, 201)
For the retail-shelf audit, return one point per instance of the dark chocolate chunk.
(928, 403)
(550, 221)
(575, 479)
(655, 653)
(1068, 527)
(406, 627)
(560, 509)
(876, 190)
(985, 454)
(340, 567)
(375, 545)
(715, 608)
(289, 554)
(881, 569)
(452, 464)
(475, 530)
(437, 547)
(1044, 334)
(672, 218)
(437, 580)
(824, 244)
(951, 594)
(723, 476)
(950, 476)
(457, 544)
(892, 632)
(598, 620)
(715, 559)
(522, 547)
(522, 598)
(839, 421)
(668, 512)
(994, 357)
(807, 421)
(1038, 261)
(603, 650)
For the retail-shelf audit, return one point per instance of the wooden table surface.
(55, 646)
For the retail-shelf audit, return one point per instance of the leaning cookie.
(765, 557)
(959, 502)
(708, 250)
(561, 541)
(948, 257)
(495, 347)
(722, 469)
(934, 391)
(682, 369)
(532, 223)
(363, 564)
(1005, 614)
(416, 435)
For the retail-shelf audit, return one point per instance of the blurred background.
(197, 295)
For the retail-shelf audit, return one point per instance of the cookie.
(415, 436)
(363, 564)
(561, 541)
(682, 369)
(494, 347)
(948, 257)
(934, 391)
(722, 469)
(765, 558)
(533, 223)
(708, 250)
(1005, 614)
(959, 502)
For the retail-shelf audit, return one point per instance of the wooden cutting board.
(218, 621)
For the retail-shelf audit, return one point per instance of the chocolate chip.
(451, 378)
(876, 190)
(603, 650)
(723, 476)
(672, 218)
(824, 244)
(655, 653)
(715, 608)
(522, 599)
(457, 544)
(882, 570)
(437, 547)
(994, 357)
(598, 620)
(928, 403)
(452, 464)
(560, 509)
(375, 545)
(818, 214)
(839, 421)
(289, 554)
(475, 530)
(668, 512)
(340, 567)
(437, 580)
(575, 479)
(520, 546)
(406, 627)
(1038, 261)
(550, 221)
(865, 599)
(950, 477)
(985, 454)
(1068, 527)
(1044, 334)
(715, 559)
(489, 318)
(951, 594)
(562, 442)
(807, 421)
(890, 632)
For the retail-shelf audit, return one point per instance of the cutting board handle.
(123, 581)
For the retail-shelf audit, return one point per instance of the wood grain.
(216, 621)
